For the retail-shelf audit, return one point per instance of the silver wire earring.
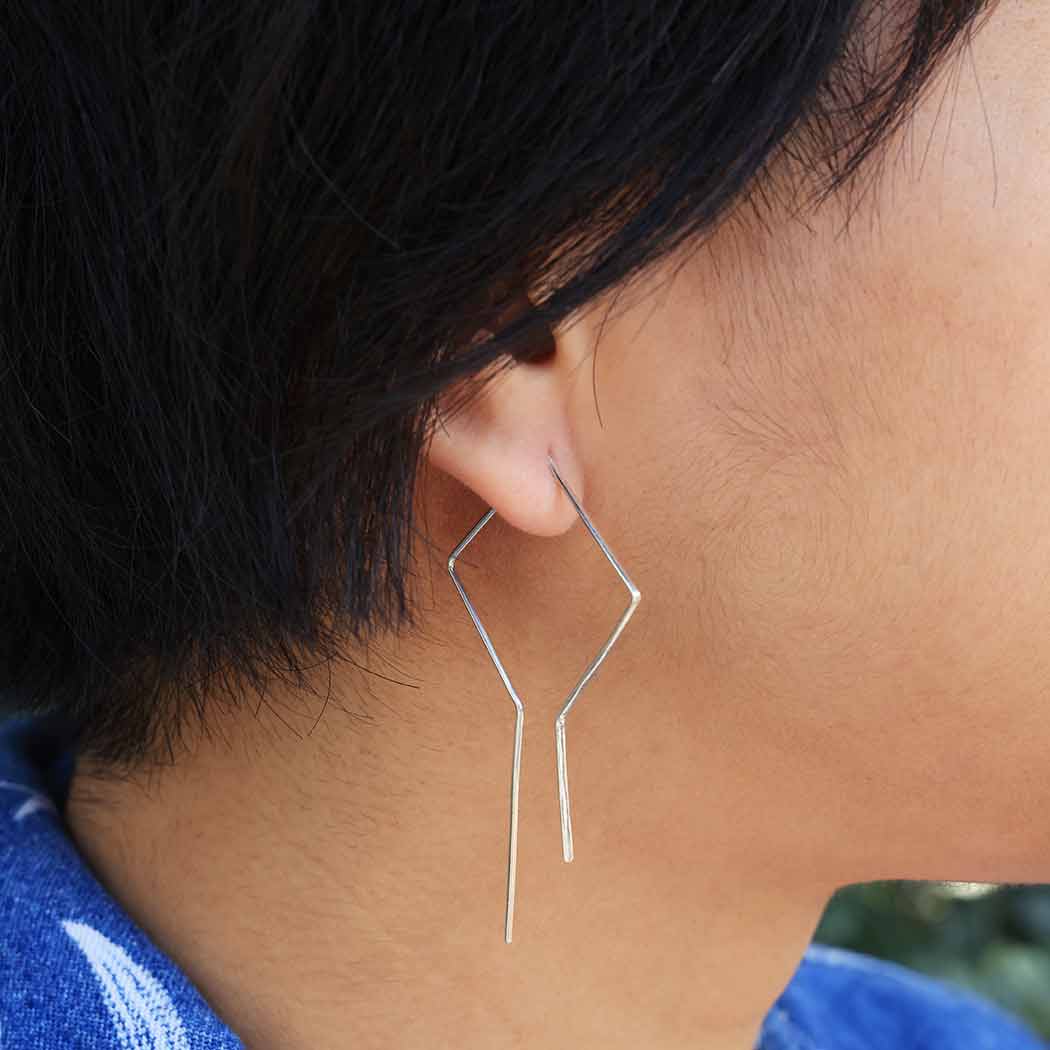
(559, 722)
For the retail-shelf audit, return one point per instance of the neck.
(341, 881)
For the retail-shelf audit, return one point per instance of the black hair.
(246, 243)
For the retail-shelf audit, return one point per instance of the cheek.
(842, 509)
(883, 579)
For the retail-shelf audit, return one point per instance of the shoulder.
(76, 970)
(841, 1000)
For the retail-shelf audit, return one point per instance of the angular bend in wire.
(559, 722)
(515, 778)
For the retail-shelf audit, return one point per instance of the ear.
(498, 444)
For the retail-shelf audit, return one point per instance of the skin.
(822, 459)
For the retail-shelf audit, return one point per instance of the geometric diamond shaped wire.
(559, 722)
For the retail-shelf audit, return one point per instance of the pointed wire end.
(566, 847)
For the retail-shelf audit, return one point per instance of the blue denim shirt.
(77, 972)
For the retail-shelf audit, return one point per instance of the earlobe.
(499, 441)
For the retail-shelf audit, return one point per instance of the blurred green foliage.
(992, 939)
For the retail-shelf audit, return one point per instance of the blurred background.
(992, 939)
